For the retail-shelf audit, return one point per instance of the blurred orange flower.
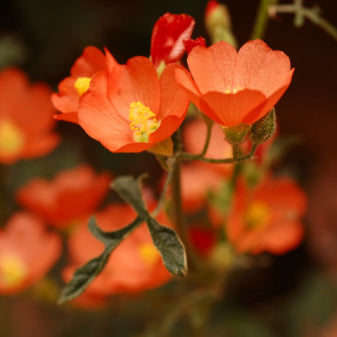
(26, 118)
(194, 137)
(134, 266)
(72, 195)
(130, 109)
(233, 87)
(196, 182)
(27, 252)
(266, 218)
(168, 35)
(73, 87)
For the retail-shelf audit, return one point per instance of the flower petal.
(133, 82)
(231, 109)
(67, 100)
(185, 81)
(41, 145)
(168, 35)
(212, 68)
(91, 61)
(173, 105)
(258, 67)
(280, 238)
(174, 100)
(266, 106)
(102, 122)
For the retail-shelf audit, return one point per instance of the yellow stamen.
(12, 270)
(82, 84)
(257, 215)
(149, 254)
(143, 122)
(11, 138)
(231, 90)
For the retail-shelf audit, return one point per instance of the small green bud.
(218, 23)
(237, 134)
(216, 14)
(264, 128)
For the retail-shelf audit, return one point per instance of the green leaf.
(170, 247)
(129, 190)
(83, 277)
(112, 239)
(86, 274)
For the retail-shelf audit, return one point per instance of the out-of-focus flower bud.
(235, 135)
(264, 128)
(218, 23)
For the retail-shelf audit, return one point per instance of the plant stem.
(177, 210)
(261, 21)
(311, 14)
(178, 216)
(208, 138)
(233, 160)
(164, 191)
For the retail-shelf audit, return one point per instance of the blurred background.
(296, 295)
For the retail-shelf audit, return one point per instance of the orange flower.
(134, 266)
(233, 87)
(168, 35)
(267, 217)
(197, 181)
(130, 109)
(27, 252)
(72, 195)
(73, 87)
(26, 118)
(194, 137)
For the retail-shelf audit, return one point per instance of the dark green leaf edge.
(86, 274)
(169, 246)
(165, 239)
(129, 190)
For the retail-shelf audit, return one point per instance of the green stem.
(233, 160)
(311, 14)
(178, 216)
(261, 21)
(177, 210)
(164, 191)
(236, 152)
(208, 138)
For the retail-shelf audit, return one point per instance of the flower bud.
(264, 128)
(216, 15)
(218, 23)
(235, 135)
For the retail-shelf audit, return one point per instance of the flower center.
(149, 254)
(11, 138)
(257, 215)
(12, 270)
(231, 90)
(143, 122)
(82, 84)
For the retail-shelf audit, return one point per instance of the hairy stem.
(233, 160)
